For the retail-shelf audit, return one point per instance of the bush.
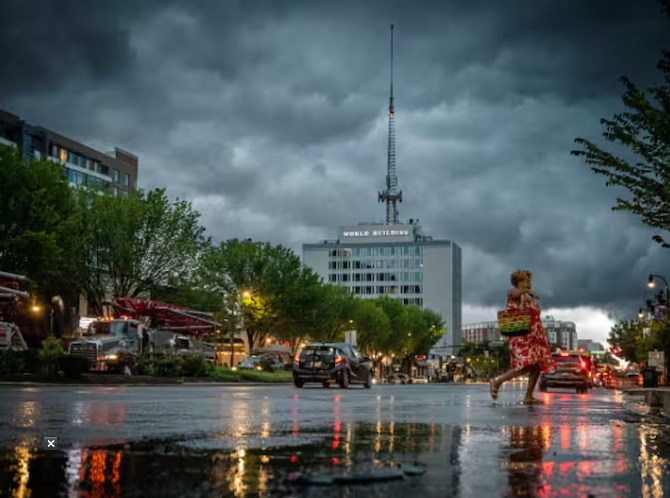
(50, 355)
(19, 362)
(267, 366)
(145, 366)
(194, 366)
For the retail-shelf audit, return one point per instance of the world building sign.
(375, 233)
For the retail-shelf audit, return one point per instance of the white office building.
(397, 261)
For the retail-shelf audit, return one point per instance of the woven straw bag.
(514, 323)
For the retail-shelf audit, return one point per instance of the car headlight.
(110, 357)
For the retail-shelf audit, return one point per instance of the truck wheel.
(326, 384)
(368, 381)
(344, 379)
(543, 388)
(298, 383)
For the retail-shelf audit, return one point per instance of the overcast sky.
(270, 116)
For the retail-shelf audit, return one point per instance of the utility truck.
(114, 342)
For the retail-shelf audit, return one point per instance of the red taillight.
(583, 366)
(339, 360)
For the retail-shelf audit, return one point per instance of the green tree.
(643, 129)
(627, 336)
(430, 333)
(396, 340)
(37, 213)
(371, 324)
(134, 245)
(304, 309)
(264, 276)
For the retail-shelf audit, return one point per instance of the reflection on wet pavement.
(573, 446)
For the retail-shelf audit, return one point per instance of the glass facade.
(372, 271)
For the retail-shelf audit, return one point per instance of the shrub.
(50, 355)
(194, 366)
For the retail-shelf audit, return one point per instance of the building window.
(116, 190)
(115, 175)
(126, 180)
(63, 155)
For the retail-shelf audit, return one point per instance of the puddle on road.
(571, 459)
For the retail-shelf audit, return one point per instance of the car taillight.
(583, 366)
(339, 360)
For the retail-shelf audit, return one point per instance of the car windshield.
(323, 352)
(116, 327)
(567, 359)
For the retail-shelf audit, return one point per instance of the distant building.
(561, 334)
(589, 345)
(117, 170)
(397, 261)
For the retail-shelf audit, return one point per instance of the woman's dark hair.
(518, 276)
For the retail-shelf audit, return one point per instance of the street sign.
(350, 338)
(656, 359)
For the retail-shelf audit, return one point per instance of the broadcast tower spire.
(391, 196)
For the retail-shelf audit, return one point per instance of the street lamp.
(651, 283)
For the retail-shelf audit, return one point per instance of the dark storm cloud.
(271, 117)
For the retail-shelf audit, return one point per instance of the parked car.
(398, 379)
(260, 363)
(570, 373)
(328, 363)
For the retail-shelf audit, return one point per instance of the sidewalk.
(655, 397)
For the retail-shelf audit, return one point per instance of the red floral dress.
(532, 348)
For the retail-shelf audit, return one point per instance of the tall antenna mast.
(391, 196)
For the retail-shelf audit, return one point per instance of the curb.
(654, 397)
(144, 384)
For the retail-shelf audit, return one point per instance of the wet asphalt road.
(248, 441)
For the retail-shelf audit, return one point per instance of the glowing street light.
(651, 283)
(246, 293)
(35, 308)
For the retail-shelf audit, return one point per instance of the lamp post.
(651, 283)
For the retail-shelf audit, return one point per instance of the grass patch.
(228, 375)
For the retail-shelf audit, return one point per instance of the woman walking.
(529, 354)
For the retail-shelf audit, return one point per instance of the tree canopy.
(134, 245)
(37, 217)
(644, 130)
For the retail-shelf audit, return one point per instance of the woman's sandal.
(493, 390)
(534, 401)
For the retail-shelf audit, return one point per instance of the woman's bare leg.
(512, 374)
(533, 377)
